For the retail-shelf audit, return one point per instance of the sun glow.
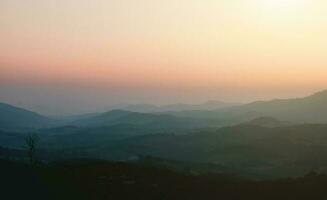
(193, 45)
(283, 8)
(283, 4)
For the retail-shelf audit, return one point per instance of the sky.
(75, 56)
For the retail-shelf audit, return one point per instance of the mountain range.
(275, 138)
(311, 109)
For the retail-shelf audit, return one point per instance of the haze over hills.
(209, 105)
(311, 109)
(170, 99)
(16, 118)
(147, 120)
(261, 138)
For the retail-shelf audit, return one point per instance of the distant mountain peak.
(320, 94)
(268, 122)
(15, 118)
(117, 111)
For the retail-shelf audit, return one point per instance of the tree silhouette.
(31, 142)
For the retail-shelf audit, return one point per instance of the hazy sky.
(71, 56)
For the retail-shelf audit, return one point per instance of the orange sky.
(229, 49)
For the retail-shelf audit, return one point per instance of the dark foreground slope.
(95, 180)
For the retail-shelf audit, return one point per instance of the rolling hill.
(209, 105)
(268, 122)
(150, 121)
(311, 109)
(14, 118)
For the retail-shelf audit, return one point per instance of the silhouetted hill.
(146, 108)
(107, 118)
(221, 118)
(160, 121)
(268, 122)
(14, 118)
(210, 105)
(311, 109)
